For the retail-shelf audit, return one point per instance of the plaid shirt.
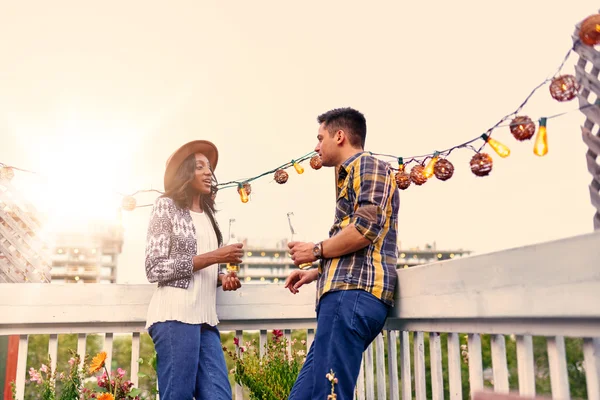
(368, 198)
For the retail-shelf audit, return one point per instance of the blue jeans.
(347, 322)
(190, 361)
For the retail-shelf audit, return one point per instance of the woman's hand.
(230, 281)
(231, 254)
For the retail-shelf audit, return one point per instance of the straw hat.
(197, 146)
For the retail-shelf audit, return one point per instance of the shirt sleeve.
(160, 265)
(373, 185)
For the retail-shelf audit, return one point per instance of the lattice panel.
(24, 256)
(586, 71)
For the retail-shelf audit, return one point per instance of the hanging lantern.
(564, 88)
(6, 173)
(417, 175)
(402, 180)
(129, 203)
(522, 128)
(281, 176)
(443, 170)
(589, 33)
(481, 164)
(316, 162)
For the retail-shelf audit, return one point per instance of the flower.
(71, 361)
(98, 362)
(106, 396)
(44, 368)
(277, 333)
(120, 372)
(236, 341)
(34, 376)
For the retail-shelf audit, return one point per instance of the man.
(356, 279)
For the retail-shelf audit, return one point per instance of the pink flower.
(44, 368)
(120, 372)
(242, 349)
(236, 341)
(34, 376)
(71, 361)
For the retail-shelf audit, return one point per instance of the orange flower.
(106, 396)
(97, 363)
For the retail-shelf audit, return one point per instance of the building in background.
(273, 265)
(89, 257)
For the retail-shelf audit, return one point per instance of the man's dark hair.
(349, 120)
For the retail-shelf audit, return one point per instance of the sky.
(96, 96)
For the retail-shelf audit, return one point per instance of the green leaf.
(134, 392)
(142, 375)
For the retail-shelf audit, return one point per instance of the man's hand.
(298, 278)
(302, 252)
(230, 281)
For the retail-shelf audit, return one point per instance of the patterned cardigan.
(170, 245)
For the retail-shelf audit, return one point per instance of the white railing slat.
(369, 377)
(22, 366)
(81, 346)
(310, 337)
(108, 348)
(557, 359)
(420, 384)
(135, 356)
(53, 351)
(499, 364)
(392, 348)
(359, 393)
(591, 353)
(525, 365)
(454, 370)
(405, 365)
(380, 366)
(435, 359)
(262, 341)
(475, 363)
(288, 335)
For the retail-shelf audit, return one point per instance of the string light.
(299, 168)
(243, 193)
(428, 172)
(562, 88)
(6, 173)
(498, 147)
(540, 147)
(129, 203)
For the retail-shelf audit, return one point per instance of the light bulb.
(243, 193)
(498, 147)
(299, 168)
(540, 148)
(428, 172)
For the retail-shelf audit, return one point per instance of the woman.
(183, 251)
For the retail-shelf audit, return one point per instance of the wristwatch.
(318, 250)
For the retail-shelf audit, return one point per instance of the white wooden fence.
(551, 290)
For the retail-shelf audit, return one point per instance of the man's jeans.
(347, 322)
(190, 362)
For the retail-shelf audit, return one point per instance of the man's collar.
(343, 171)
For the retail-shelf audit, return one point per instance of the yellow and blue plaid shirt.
(368, 198)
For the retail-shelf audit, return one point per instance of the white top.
(198, 303)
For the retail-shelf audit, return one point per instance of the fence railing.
(447, 316)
